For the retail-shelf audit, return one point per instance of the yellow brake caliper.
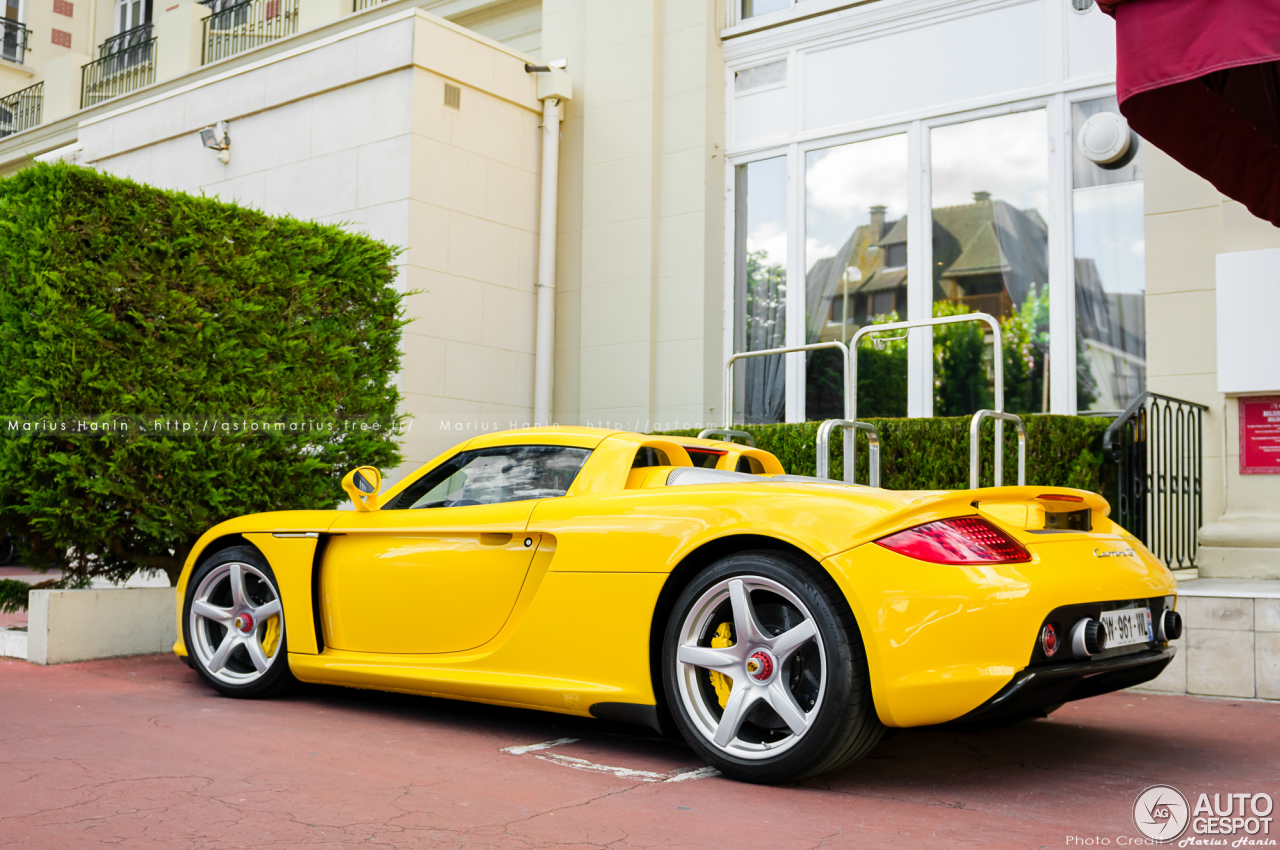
(722, 683)
(271, 636)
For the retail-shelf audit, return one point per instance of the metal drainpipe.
(544, 341)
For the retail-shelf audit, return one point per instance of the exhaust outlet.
(1169, 626)
(1088, 638)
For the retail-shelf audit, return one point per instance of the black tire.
(825, 676)
(236, 673)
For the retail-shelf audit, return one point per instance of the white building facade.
(733, 175)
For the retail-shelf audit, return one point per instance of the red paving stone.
(137, 752)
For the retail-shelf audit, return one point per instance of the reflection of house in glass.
(1111, 327)
(988, 257)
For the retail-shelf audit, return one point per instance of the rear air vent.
(452, 96)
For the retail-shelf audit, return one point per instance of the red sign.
(1260, 435)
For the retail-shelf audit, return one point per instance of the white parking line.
(677, 775)
(545, 745)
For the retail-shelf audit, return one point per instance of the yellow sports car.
(778, 622)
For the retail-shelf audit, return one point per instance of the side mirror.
(362, 485)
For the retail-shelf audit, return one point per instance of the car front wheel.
(765, 672)
(233, 624)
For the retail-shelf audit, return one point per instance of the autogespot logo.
(1161, 813)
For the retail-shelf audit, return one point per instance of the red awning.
(1199, 79)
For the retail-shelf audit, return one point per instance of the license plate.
(1127, 627)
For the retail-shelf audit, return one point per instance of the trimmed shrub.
(933, 454)
(171, 361)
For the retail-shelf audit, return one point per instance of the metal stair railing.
(1156, 445)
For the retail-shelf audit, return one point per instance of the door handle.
(494, 539)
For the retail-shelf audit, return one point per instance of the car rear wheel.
(764, 670)
(233, 624)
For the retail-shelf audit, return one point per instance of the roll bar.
(999, 416)
(728, 433)
(824, 451)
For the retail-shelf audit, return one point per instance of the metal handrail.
(999, 416)
(849, 444)
(793, 349)
(850, 470)
(997, 340)
(708, 433)
(1109, 449)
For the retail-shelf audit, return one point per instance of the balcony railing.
(247, 25)
(13, 40)
(361, 5)
(21, 110)
(127, 63)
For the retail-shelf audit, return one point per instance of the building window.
(990, 182)
(1110, 276)
(855, 224)
(131, 14)
(760, 289)
(752, 8)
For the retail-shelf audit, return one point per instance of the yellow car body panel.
(942, 639)
(551, 603)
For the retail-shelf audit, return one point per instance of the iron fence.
(21, 110)
(1157, 448)
(13, 40)
(126, 62)
(244, 26)
(361, 5)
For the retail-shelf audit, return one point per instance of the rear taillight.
(963, 540)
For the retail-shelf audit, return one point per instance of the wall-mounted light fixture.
(217, 138)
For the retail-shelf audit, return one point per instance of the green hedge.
(933, 454)
(125, 304)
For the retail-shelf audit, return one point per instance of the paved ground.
(138, 753)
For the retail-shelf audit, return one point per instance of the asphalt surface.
(137, 752)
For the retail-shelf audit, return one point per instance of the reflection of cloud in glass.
(767, 208)
(1109, 231)
(843, 183)
(1007, 156)
(770, 237)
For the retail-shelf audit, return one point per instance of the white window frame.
(1061, 250)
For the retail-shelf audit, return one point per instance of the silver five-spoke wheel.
(235, 623)
(752, 670)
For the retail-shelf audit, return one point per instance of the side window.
(490, 476)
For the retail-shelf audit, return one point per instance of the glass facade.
(990, 182)
(1110, 272)
(760, 289)
(855, 271)
(953, 189)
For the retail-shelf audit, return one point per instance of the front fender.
(263, 523)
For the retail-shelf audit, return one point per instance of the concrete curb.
(79, 625)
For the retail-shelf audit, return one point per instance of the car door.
(440, 568)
